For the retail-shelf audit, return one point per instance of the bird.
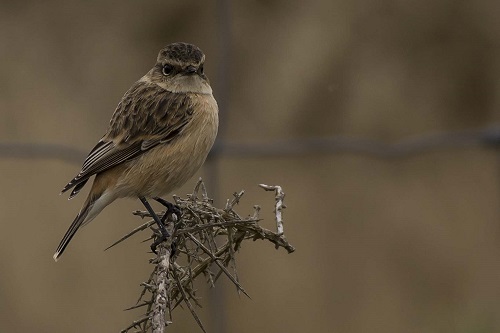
(158, 137)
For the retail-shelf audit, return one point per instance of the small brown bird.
(159, 136)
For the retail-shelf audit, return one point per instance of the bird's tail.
(91, 208)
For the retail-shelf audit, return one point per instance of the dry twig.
(203, 238)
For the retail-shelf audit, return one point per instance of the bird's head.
(179, 68)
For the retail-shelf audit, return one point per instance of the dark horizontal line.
(489, 137)
(340, 144)
(41, 151)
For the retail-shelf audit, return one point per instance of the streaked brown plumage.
(159, 136)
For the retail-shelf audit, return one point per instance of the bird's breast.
(168, 166)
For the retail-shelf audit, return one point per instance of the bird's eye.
(167, 69)
(200, 70)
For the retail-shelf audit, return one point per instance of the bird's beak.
(190, 70)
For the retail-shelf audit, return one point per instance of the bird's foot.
(161, 226)
(171, 208)
(159, 239)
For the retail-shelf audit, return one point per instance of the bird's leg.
(171, 208)
(161, 226)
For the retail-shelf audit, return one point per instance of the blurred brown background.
(409, 244)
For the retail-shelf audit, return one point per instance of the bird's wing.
(146, 116)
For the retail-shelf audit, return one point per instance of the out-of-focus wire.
(484, 137)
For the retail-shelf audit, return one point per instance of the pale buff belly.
(168, 166)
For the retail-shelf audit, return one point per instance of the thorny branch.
(159, 309)
(278, 208)
(203, 243)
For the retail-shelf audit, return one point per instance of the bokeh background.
(403, 244)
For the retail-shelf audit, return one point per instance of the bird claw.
(171, 208)
(161, 239)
